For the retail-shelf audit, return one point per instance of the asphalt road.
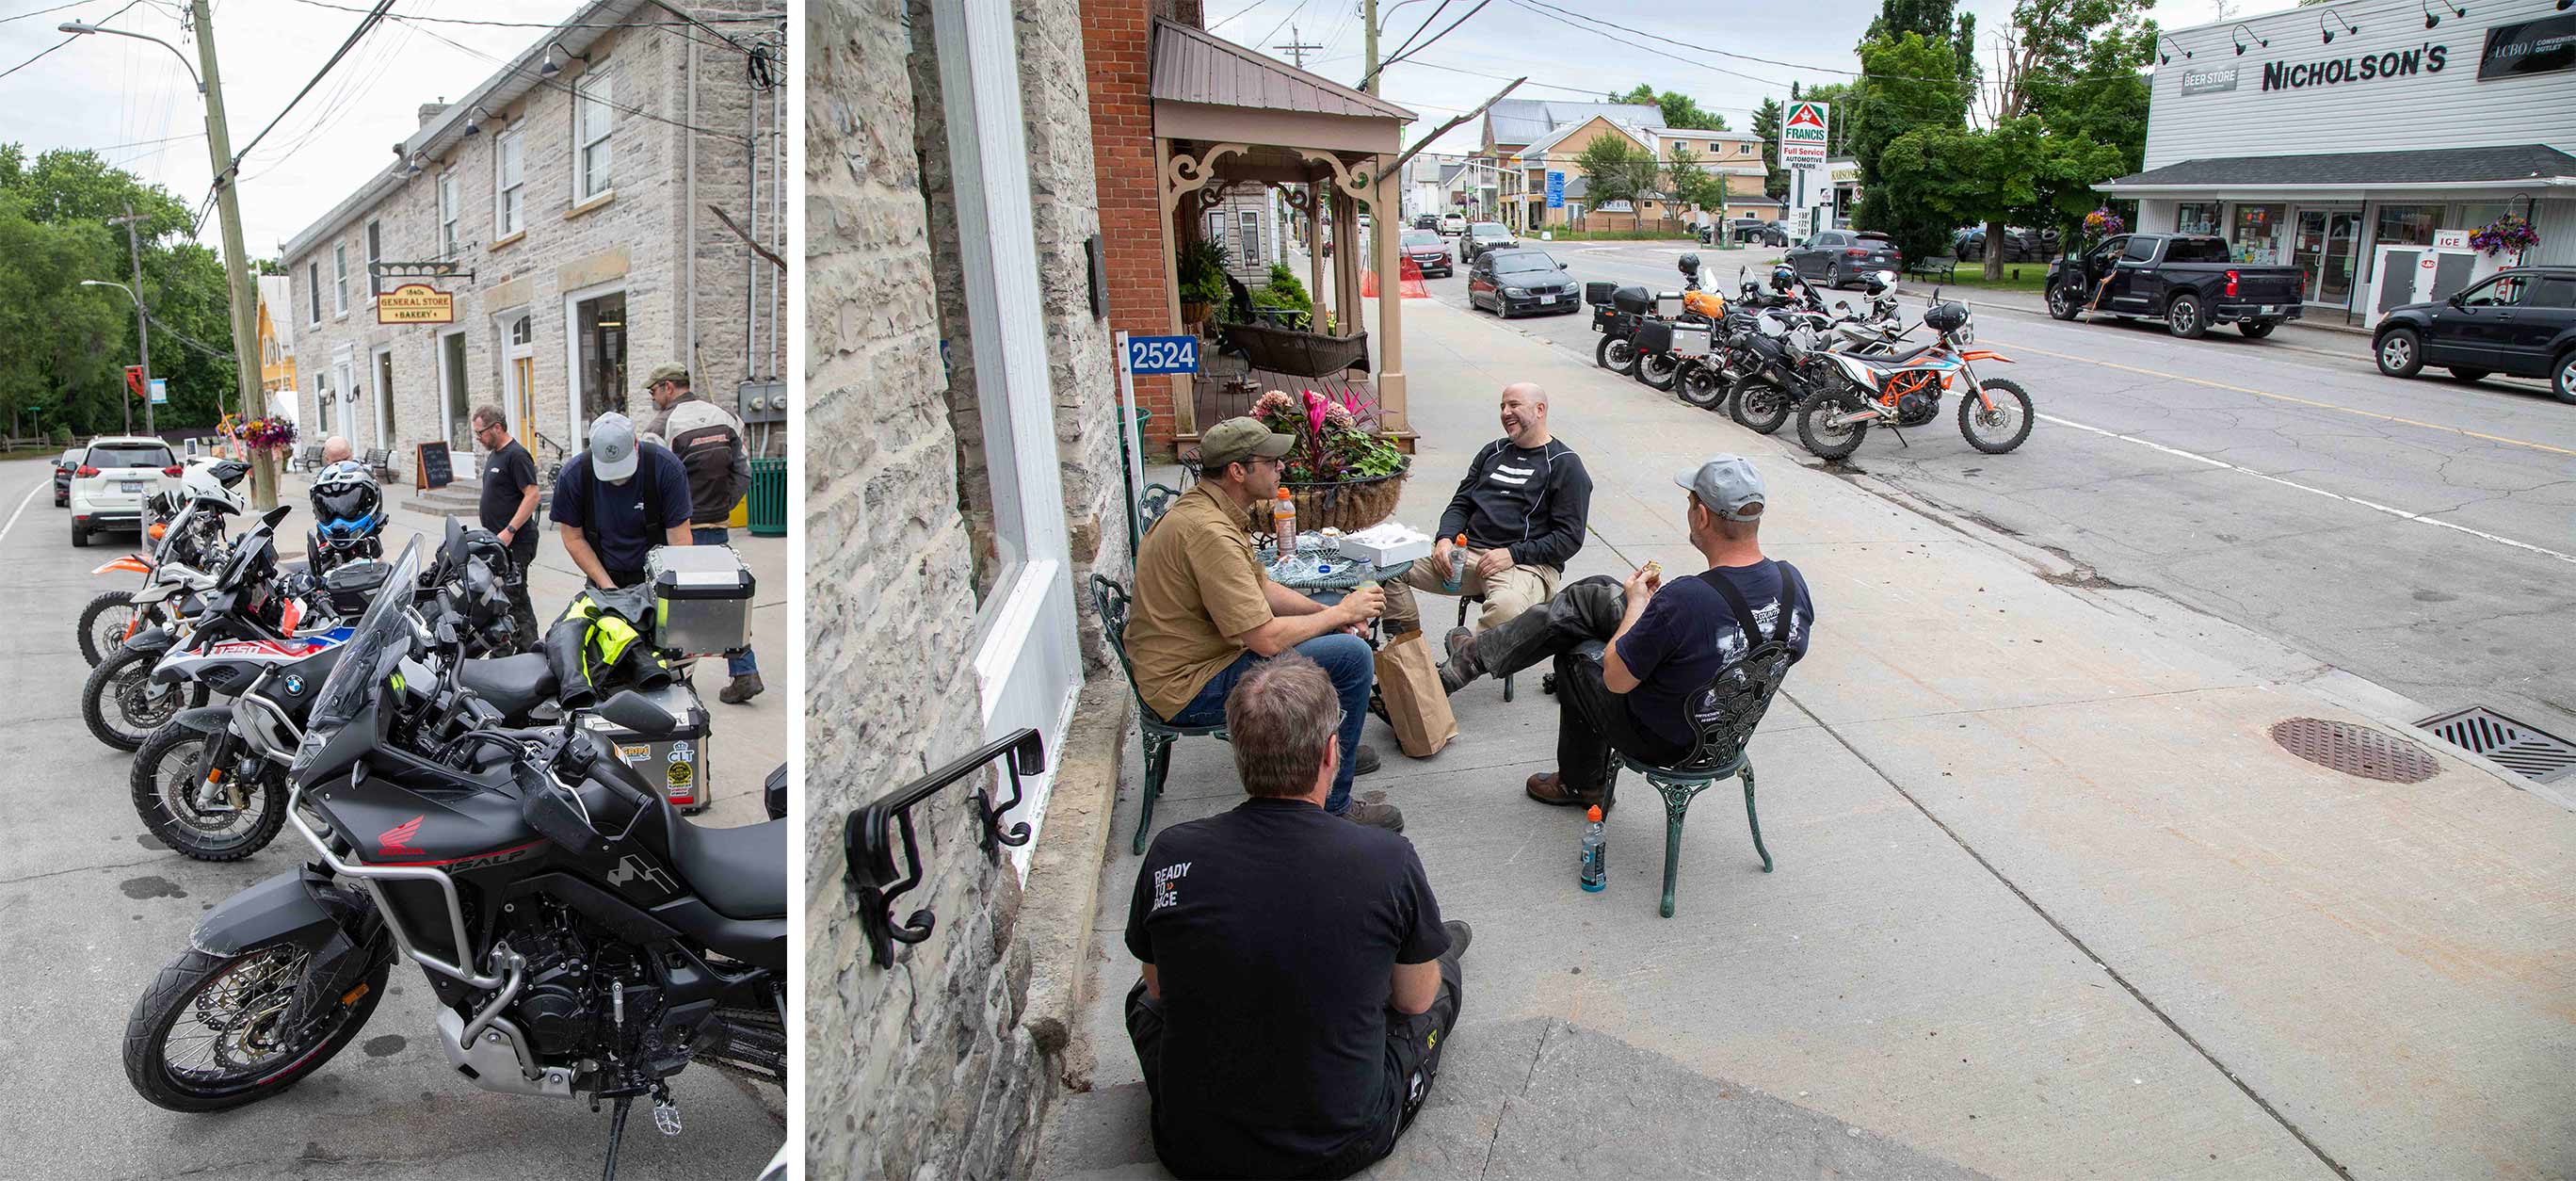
(2419, 534)
(92, 906)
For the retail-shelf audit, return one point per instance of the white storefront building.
(2344, 138)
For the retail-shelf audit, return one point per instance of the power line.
(458, 20)
(373, 18)
(1435, 37)
(1293, 10)
(40, 54)
(1417, 30)
(542, 80)
(42, 11)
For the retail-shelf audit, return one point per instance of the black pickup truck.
(2186, 280)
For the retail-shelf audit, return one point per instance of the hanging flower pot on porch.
(1341, 474)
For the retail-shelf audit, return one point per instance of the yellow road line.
(2238, 389)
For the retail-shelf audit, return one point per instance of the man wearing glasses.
(510, 497)
(1206, 610)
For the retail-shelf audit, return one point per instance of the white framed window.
(592, 119)
(509, 182)
(340, 278)
(449, 210)
(313, 284)
(375, 254)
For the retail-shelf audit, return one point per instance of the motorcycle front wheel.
(1616, 354)
(210, 1033)
(1760, 407)
(224, 821)
(1699, 385)
(1658, 370)
(2001, 429)
(105, 623)
(120, 706)
(1817, 430)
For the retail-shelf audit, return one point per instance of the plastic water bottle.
(1596, 852)
(1457, 565)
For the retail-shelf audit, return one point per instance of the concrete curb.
(1063, 888)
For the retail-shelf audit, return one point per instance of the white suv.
(116, 475)
(1453, 225)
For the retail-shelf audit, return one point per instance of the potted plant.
(1341, 473)
(2505, 233)
(1202, 267)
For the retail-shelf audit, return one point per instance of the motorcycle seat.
(515, 685)
(740, 872)
(1898, 360)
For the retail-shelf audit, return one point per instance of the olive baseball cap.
(1237, 440)
(667, 371)
(1728, 486)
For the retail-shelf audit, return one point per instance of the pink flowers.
(268, 432)
(1333, 438)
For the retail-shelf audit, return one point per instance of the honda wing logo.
(632, 868)
(397, 840)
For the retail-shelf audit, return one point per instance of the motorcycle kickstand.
(1899, 432)
(616, 1130)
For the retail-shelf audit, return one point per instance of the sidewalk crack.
(1545, 1031)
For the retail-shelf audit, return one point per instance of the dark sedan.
(1512, 281)
(1484, 236)
(63, 466)
(1838, 258)
(1428, 251)
(2020, 244)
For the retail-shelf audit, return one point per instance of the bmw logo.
(294, 685)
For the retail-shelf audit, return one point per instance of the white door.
(384, 388)
(344, 388)
(517, 333)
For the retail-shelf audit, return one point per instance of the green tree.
(1907, 83)
(1691, 183)
(1679, 110)
(1615, 169)
(1766, 127)
(2076, 68)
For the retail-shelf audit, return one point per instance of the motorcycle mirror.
(273, 516)
(636, 712)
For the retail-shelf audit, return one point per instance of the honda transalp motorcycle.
(581, 938)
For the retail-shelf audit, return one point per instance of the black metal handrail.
(869, 846)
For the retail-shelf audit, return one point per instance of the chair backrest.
(1725, 711)
(1112, 601)
(1151, 504)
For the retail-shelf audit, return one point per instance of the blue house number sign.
(1148, 355)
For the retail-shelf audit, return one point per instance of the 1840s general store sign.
(416, 303)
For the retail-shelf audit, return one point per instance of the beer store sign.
(2427, 58)
(2210, 81)
(416, 303)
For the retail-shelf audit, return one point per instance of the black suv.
(2521, 323)
(1483, 236)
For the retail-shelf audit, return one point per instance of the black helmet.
(1690, 264)
(1946, 317)
(1782, 276)
(348, 508)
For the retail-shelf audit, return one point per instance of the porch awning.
(1194, 66)
(2515, 166)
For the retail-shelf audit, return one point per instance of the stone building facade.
(570, 191)
(961, 483)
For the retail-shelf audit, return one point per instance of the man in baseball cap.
(1630, 656)
(1205, 609)
(617, 500)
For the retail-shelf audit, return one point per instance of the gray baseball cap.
(612, 447)
(1728, 486)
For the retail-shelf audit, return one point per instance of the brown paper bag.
(1410, 684)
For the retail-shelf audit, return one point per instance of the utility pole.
(1296, 47)
(133, 224)
(1368, 25)
(245, 298)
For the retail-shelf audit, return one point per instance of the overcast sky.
(120, 95)
(1577, 60)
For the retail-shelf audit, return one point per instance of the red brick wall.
(1117, 48)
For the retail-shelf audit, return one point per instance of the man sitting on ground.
(1522, 507)
(1206, 610)
(1298, 984)
(1630, 657)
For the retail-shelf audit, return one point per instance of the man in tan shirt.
(1206, 609)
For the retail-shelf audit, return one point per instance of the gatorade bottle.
(1283, 520)
(1457, 564)
(1596, 852)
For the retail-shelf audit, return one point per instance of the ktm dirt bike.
(1904, 389)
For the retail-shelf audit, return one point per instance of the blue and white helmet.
(348, 507)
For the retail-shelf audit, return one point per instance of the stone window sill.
(594, 203)
(511, 240)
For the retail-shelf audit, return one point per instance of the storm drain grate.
(2520, 748)
(2355, 750)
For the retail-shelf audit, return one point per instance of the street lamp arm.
(77, 28)
(129, 292)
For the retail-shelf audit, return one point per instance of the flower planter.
(1347, 505)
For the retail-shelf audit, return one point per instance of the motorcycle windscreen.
(375, 648)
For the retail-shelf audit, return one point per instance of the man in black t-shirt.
(510, 497)
(1630, 656)
(617, 500)
(1298, 984)
(1522, 506)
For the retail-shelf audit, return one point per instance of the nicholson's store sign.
(2396, 63)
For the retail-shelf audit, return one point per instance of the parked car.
(1427, 221)
(1968, 244)
(2521, 323)
(116, 475)
(1483, 236)
(2189, 281)
(1452, 225)
(63, 466)
(1428, 252)
(1841, 257)
(1512, 280)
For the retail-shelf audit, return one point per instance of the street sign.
(1149, 355)
(416, 303)
(1555, 189)
(1803, 134)
(160, 391)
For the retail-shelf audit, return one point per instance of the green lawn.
(2033, 277)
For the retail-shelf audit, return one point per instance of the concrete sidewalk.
(2049, 900)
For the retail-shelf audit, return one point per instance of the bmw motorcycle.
(245, 610)
(581, 938)
(1904, 389)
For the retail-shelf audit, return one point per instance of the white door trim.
(508, 351)
(446, 391)
(572, 301)
(379, 359)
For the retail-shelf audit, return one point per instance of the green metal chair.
(1724, 714)
(1112, 601)
(1151, 503)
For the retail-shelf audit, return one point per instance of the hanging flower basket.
(2503, 234)
(2102, 223)
(1341, 474)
